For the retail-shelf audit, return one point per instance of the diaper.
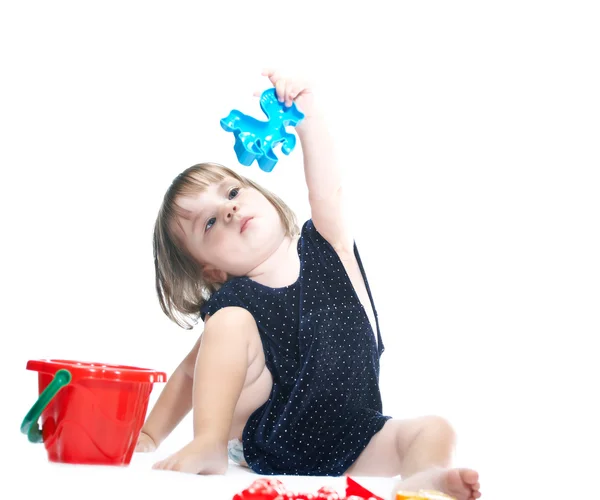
(235, 450)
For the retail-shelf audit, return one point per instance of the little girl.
(285, 373)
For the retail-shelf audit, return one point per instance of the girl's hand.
(292, 90)
(145, 443)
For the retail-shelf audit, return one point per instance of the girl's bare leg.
(420, 451)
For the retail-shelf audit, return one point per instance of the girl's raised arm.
(321, 170)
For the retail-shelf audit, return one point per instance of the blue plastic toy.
(255, 139)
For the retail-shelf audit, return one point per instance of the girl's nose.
(230, 209)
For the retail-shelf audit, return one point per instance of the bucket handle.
(30, 422)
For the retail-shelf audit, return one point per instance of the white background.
(469, 136)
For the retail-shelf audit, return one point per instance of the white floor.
(44, 480)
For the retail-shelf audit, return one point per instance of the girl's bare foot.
(197, 457)
(461, 484)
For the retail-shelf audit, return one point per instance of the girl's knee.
(439, 429)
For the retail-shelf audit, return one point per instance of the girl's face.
(229, 228)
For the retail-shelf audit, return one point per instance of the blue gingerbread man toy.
(255, 139)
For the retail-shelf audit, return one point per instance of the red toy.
(91, 413)
(274, 489)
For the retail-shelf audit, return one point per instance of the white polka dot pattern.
(324, 357)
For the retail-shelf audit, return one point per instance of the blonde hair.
(180, 284)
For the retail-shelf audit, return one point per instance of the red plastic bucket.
(91, 413)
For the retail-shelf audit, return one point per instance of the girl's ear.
(213, 274)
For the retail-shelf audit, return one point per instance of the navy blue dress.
(321, 350)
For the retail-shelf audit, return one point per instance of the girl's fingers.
(287, 89)
(280, 88)
(272, 75)
(292, 91)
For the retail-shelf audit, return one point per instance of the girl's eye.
(231, 195)
(210, 223)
